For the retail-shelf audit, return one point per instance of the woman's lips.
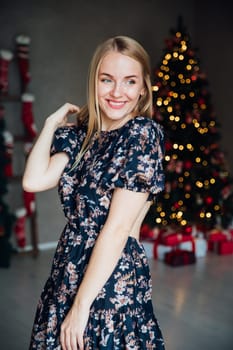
(116, 104)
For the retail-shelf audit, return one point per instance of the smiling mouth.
(116, 104)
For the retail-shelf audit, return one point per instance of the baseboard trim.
(41, 246)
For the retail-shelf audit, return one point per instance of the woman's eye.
(131, 82)
(106, 80)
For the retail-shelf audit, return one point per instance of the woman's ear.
(142, 92)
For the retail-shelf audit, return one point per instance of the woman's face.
(119, 86)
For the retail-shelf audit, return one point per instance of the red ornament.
(188, 118)
(188, 164)
(188, 187)
(168, 145)
(193, 77)
(201, 101)
(209, 200)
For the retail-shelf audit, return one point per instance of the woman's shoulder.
(70, 131)
(145, 127)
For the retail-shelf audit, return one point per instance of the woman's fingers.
(59, 118)
(71, 108)
(80, 343)
(74, 342)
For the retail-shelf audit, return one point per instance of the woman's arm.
(125, 208)
(42, 171)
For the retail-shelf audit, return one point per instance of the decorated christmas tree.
(198, 187)
(6, 218)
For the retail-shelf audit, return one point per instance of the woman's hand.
(60, 117)
(72, 328)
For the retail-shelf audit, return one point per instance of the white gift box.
(148, 246)
(200, 248)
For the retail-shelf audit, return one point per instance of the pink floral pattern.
(121, 316)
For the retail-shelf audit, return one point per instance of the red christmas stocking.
(27, 116)
(8, 141)
(29, 202)
(19, 227)
(23, 42)
(5, 58)
(2, 117)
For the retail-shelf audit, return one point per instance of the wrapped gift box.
(147, 233)
(200, 248)
(160, 250)
(180, 257)
(173, 239)
(225, 248)
(214, 237)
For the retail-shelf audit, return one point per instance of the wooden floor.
(194, 304)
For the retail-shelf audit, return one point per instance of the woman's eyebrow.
(126, 77)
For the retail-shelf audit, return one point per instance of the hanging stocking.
(19, 228)
(2, 117)
(23, 42)
(5, 58)
(8, 142)
(29, 202)
(27, 116)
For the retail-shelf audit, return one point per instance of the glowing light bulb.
(168, 56)
(183, 222)
(155, 88)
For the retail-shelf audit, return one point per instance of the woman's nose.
(117, 89)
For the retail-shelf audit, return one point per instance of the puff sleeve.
(65, 140)
(138, 163)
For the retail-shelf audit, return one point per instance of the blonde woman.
(108, 169)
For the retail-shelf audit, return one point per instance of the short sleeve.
(65, 140)
(140, 160)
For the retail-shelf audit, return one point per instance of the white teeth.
(116, 103)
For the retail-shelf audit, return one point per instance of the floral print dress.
(121, 316)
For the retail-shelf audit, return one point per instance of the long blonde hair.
(90, 113)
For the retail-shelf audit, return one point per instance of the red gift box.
(146, 233)
(225, 247)
(174, 239)
(214, 238)
(171, 239)
(179, 257)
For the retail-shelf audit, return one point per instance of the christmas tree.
(6, 218)
(198, 187)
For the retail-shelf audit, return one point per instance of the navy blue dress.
(121, 316)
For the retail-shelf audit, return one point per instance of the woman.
(109, 169)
